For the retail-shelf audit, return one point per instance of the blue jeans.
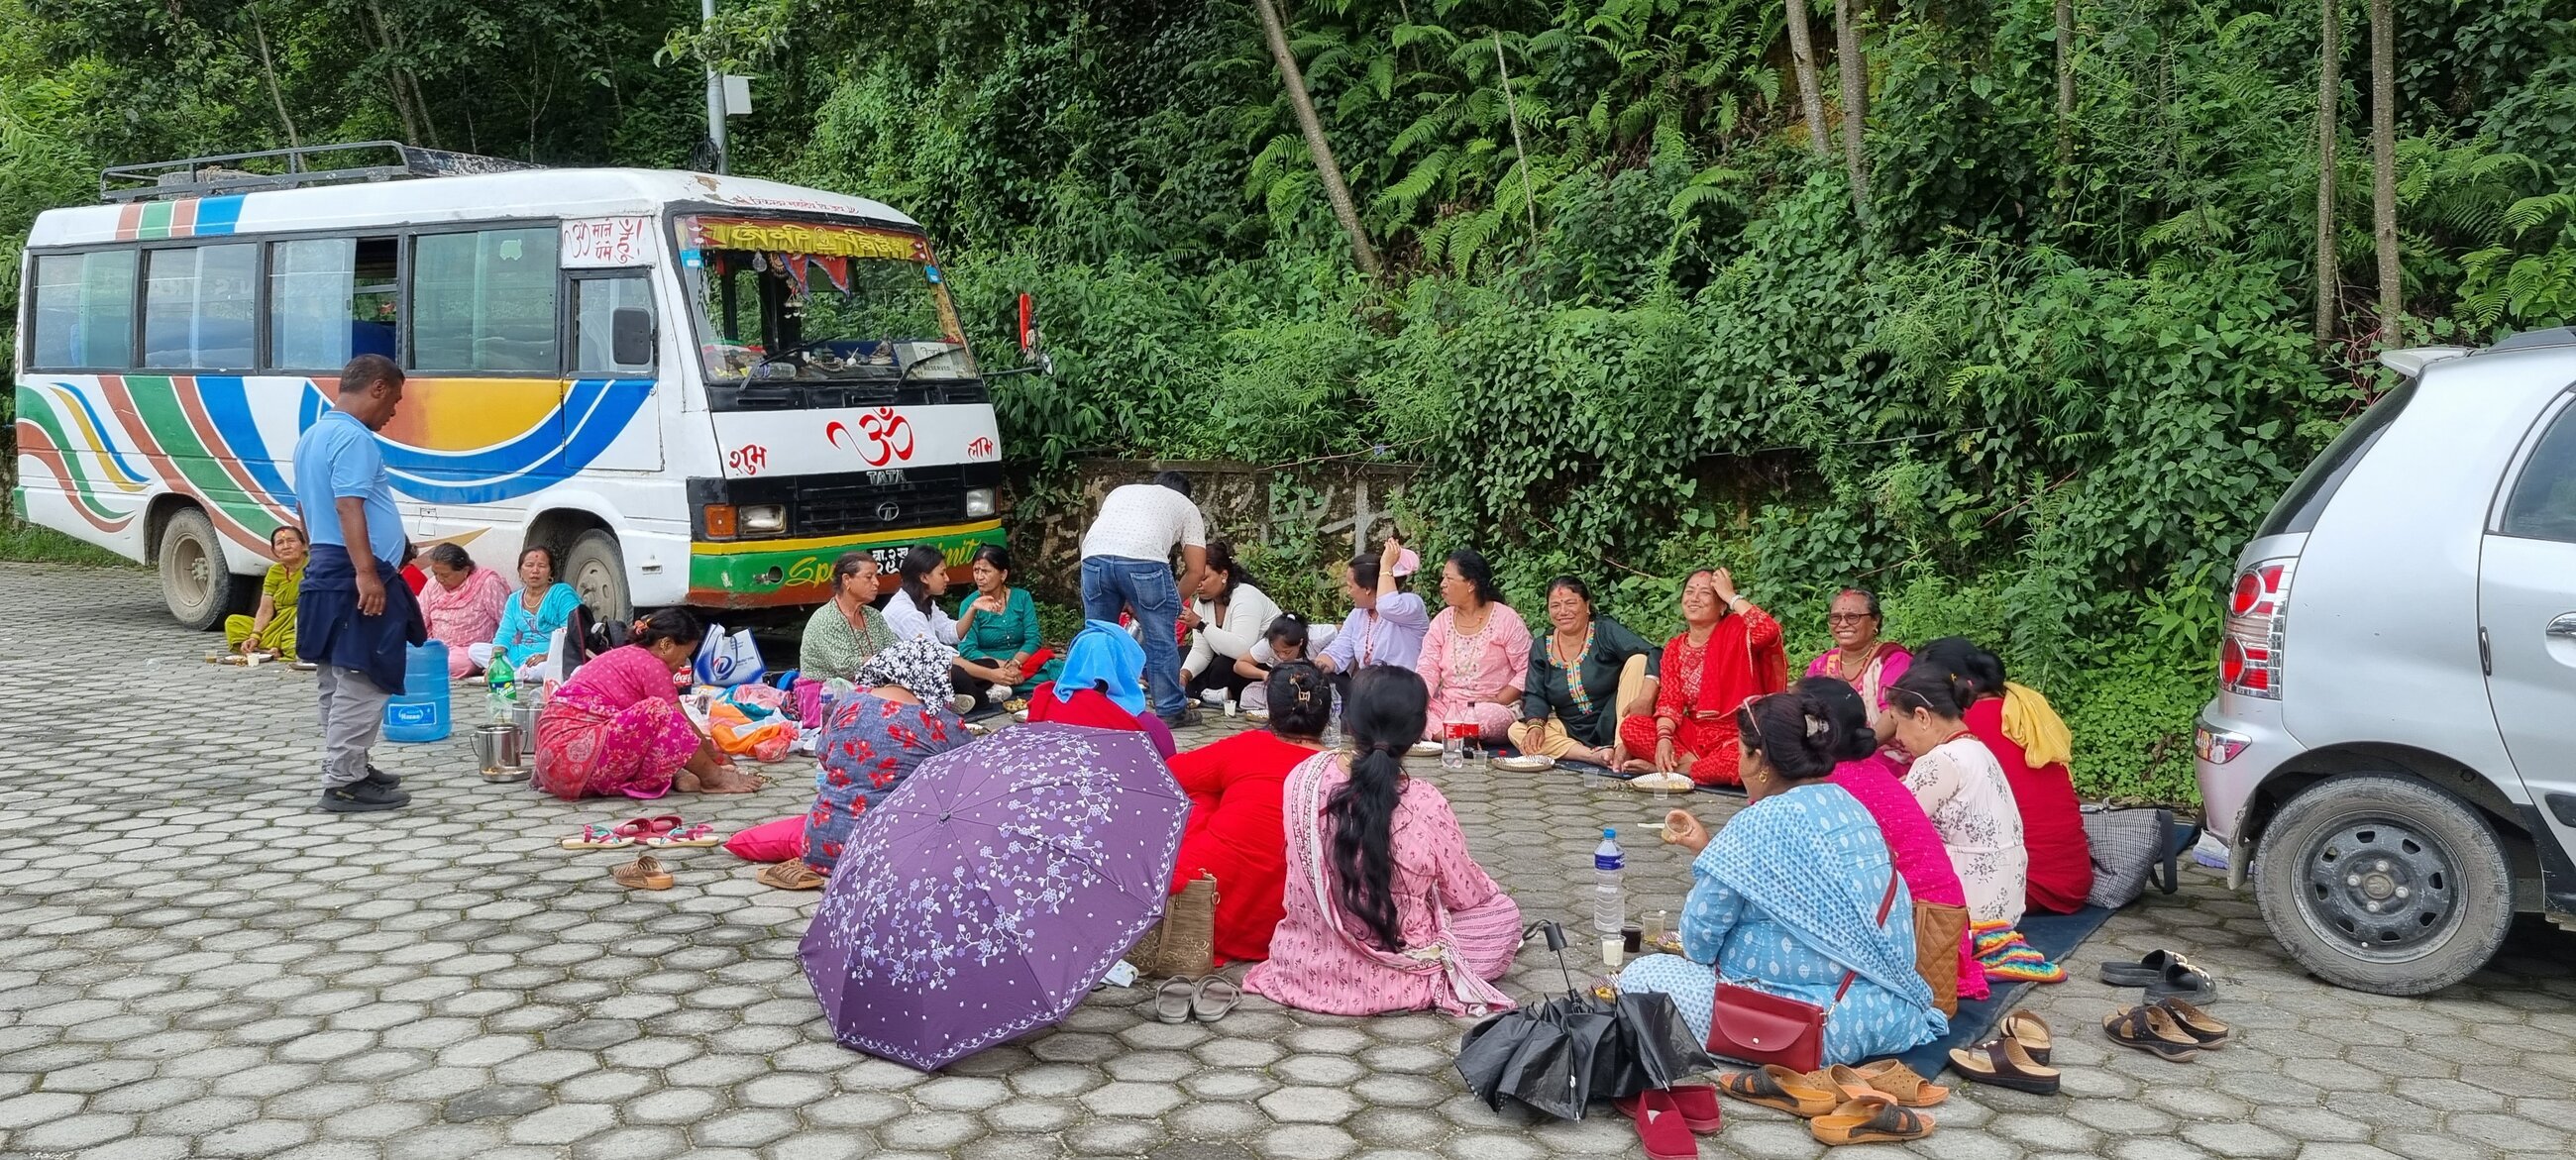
(1146, 588)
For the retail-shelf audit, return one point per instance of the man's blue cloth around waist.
(330, 630)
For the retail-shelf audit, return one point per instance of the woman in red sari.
(2031, 743)
(1235, 830)
(1728, 651)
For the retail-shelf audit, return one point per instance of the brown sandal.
(1774, 1086)
(1872, 1121)
(2031, 1032)
(2150, 1030)
(792, 874)
(644, 873)
(2004, 1063)
(2196, 1023)
(1891, 1078)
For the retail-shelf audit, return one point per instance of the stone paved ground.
(193, 962)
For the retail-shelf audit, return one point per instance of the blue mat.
(2055, 937)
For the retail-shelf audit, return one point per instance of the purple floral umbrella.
(992, 889)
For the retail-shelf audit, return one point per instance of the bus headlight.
(979, 503)
(764, 519)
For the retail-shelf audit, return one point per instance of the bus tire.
(595, 566)
(196, 582)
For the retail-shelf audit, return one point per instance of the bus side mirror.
(1032, 342)
(630, 336)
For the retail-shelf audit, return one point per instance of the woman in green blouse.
(997, 634)
(1585, 673)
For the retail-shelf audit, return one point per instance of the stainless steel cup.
(496, 747)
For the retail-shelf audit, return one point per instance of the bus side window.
(484, 301)
(330, 300)
(197, 307)
(597, 305)
(83, 313)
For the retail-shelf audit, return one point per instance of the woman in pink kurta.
(1913, 843)
(1867, 664)
(1404, 919)
(617, 727)
(461, 604)
(1475, 655)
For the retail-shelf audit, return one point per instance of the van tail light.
(2250, 654)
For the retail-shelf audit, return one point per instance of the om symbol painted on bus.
(883, 437)
(748, 459)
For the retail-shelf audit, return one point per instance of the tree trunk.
(2383, 169)
(373, 19)
(1802, 57)
(1335, 190)
(1855, 72)
(1529, 192)
(2329, 121)
(2065, 95)
(268, 69)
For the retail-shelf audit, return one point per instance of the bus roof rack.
(302, 166)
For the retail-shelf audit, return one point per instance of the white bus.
(697, 389)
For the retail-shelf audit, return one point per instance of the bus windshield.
(816, 302)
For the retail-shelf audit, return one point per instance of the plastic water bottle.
(1333, 727)
(1609, 898)
(501, 690)
(1453, 750)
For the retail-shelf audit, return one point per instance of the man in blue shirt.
(355, 614)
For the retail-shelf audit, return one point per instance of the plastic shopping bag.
(726, 661)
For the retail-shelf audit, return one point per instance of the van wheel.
(2385, 885)
(195, 581)
(596, 568)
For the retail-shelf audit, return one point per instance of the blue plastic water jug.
(419, 713)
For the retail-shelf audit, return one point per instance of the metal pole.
(715, 95)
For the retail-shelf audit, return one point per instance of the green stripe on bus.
(156, 220)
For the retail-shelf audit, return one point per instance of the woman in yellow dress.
(272, 629)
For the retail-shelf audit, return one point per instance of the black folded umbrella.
(1558, 1056)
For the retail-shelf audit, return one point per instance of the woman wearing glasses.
(1871, 666)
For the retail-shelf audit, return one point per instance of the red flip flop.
(1661, 1128)
(640, 828)
(1696, 1103)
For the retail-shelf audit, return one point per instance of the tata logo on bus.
(887, 477)
(881, 437)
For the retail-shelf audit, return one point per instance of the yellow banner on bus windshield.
(806, 238)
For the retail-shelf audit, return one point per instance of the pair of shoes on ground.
(1873, 1103)
(1670, 1120)
(2170, 1028)
(2016, 1059)
(1207, 998)
(378, 790)
(2166, 975)
(660, 831)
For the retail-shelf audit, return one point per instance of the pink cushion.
(775, 841)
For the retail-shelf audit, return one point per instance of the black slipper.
(2183, 981)
(2147, 969)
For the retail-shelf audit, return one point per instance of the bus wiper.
(924, 360)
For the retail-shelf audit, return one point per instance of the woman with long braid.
(1385, 909)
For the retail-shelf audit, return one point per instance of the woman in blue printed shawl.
(1788, 896)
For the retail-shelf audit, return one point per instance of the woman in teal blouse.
(997, 634)
(531, 616)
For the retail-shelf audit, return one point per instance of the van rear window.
(2307, 498)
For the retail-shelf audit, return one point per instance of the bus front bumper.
(798, 571)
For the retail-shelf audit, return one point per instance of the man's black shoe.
(1189, 715)
(380, 777)
(362, 797)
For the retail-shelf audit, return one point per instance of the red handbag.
(1759, 1027)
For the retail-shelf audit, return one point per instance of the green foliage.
(29, 543)
(1633, 326)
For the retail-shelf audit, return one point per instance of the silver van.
(2391, 756)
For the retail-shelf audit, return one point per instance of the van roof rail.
(2410, 361)
(301, 166)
